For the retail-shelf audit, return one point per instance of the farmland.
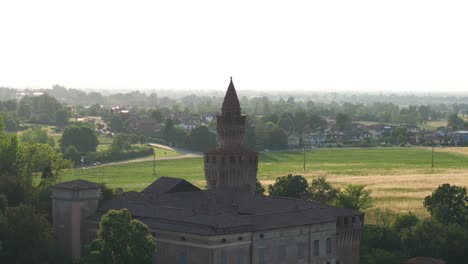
(398, 177)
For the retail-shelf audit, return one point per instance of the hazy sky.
(280, 45)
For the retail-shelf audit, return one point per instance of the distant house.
(293, 140)
(188, 125)
(444, 131)
(413, 129)
(433, 139)
(460, 137)
(316, 139)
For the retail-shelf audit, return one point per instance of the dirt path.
(150, 158)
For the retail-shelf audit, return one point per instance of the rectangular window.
(223, 258)
(328, 246)
(282, 253)
(300, 250)
(316, 247)
(240, 258)
(183, 258)
(261, 256)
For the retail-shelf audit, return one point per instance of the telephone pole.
(432, 163)
(304, 159)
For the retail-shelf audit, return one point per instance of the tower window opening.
(222, 159)
(233, 159)
(213, 159)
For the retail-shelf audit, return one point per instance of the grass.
(399, 177)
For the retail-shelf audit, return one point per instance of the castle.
(227, 223)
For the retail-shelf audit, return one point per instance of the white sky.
(323, 45)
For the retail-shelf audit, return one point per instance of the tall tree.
(202, 139)
(81, 136)
(294, 186)
(448, 204)
(121, 240)
(26, 236)
(355, 197)
(343, 122)
(321, 190)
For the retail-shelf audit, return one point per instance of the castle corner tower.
(230, 164)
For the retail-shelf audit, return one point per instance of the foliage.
(448, 204)
(355, 197)
(120, 143)
(3, 203)
(26, 236)
(277, 139)
(433, 239)
(81, 136)
(259, 189)
(72, 154)
(39, 109)
(61, 117)
(343, 122)
(44, 159)
(17, 190)
(455, 121)
(202, 139)
(10, 121)
(294, 186)
(405, 221)
(121, 240)
(379, 256)
(36, 134)
(9, 154)
(321, 190)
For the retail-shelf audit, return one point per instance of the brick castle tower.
(231, 165)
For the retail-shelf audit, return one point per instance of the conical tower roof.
(231, 102)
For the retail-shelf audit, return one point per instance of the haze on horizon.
(401, 46)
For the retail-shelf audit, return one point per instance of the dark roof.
(169, 185)
(425, 260)
(220, 211)
(231, 102)
(77, 184)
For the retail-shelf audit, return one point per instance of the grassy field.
(399, 177)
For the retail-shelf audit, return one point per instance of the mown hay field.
(399, 178)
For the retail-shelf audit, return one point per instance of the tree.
(343, 122)
(121, 240)
(202, 139)
(169, 126)
(355, 197)
(321, 190)
(72, 154)
(447, 204)
(120, 144)
(3, 203)
(61, 117)
(117, 124)
(81, 136)
(433, 239)
(379, 256)
(294, 186)
(405, 221)
(35, 135)
(259, 189)
(455, 121)
(25, 235)
(42, 158)
(277, 139)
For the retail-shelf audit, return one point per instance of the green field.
(398, 177)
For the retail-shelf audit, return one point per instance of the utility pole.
(154, 162)
(304, 159)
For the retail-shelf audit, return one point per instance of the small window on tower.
(233, 159)
(213, 159)
(222, 159)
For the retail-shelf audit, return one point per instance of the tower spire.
(231, 102)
